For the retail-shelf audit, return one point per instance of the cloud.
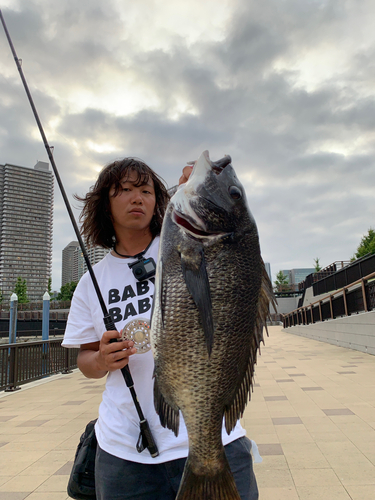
(285, 88)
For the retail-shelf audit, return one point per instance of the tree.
(367, 244)
(21, 290)
(66, 291)
(317, 265)
(1, 296)
(281, 281)
(49, 286)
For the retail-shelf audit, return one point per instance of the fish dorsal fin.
(196, 279)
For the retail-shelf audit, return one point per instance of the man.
(124, 211)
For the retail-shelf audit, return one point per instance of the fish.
(212, 296)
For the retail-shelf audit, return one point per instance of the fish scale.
(211, 301)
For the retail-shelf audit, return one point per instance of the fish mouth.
(218, 166)
(189, 226)
(215, 166)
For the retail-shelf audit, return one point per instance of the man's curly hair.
(97, 227)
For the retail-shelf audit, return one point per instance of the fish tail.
(219, 486)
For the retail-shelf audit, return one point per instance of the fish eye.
(235, 192)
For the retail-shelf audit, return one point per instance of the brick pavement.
(312, 414)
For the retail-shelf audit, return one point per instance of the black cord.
(138, 256)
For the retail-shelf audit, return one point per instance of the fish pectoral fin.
(195, 275)
(169, 415)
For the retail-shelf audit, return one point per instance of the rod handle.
(146, 439)
(110, 326)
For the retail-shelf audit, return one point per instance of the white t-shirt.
(117, 428)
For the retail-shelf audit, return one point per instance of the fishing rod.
(146, 439)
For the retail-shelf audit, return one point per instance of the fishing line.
(145, 438)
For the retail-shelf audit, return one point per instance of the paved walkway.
(312, 415)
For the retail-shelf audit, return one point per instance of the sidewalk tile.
(314, 426)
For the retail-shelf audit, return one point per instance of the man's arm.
(96, 359)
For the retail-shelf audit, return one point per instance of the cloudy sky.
(283, 86)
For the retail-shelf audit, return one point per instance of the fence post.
(67, 369)
(13, 370)
(364, 295)
(13, 319)
(45, 331)
(331, 306)
(345, 302)
(45, 319)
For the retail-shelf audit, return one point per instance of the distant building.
(73, 263)
(95, 255)
(267, 265)
(78, 264)
(26, 221)
(295, 276)
(67, 270)
(298, 275)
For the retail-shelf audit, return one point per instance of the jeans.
(118, 479)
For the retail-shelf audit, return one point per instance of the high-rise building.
(298, 275)
(73, 263)
(295, 276)
(95, 254)
(67, 270)
(26, 222)
(267, 265)
(78, 264)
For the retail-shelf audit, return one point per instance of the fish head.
(212, 203)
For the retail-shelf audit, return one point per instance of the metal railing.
(25, 362)
(357, 297)
(345, 276)
(37, 305)
(323, 273)
(32, 328)
(36, 314)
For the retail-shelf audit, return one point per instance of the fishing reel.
(138, 330)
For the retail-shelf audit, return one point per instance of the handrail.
(327, 271)
(340, 272)
(365, 278)
(24, 362)
(329, 297)
(343, 263)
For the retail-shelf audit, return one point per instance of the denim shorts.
(118, 479)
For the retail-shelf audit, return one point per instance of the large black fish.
(212, 298)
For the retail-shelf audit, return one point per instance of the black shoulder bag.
(81, 485)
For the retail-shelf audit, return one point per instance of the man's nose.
(137, 197)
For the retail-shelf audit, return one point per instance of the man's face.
(134, 206)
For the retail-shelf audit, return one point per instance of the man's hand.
(96, 359)
(114, 355)
(186, 172)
